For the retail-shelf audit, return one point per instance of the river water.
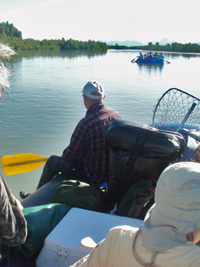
(40, 111)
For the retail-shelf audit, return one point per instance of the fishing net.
(177, 109)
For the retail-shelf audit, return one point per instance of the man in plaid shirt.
(87, 149)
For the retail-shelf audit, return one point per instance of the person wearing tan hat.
(169, 233)
(87, 149)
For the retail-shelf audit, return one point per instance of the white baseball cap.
(93, 90)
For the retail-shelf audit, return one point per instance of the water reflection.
(150, 67)
(60, 54)
(180, 55)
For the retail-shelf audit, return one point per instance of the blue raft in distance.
(151, 61)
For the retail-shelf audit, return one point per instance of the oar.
(19, 163)
(167, 61)
(133, 60)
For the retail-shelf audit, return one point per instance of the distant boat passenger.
(161, 56)
(148, 58)
(140, 57)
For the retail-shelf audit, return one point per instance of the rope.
(152, 264)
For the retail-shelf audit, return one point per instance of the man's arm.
(104, 254)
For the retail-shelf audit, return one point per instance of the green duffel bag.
(78, 194)
(41, 220)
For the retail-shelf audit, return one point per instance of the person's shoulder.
(112, 111)
(124, 234)
(87, 121)
(82, 124)
(185, 255)
(123, 228)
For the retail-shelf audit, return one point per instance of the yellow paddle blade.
(19, 163)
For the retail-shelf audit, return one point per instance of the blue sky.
(104, 20)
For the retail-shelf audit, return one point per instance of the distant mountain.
(166, 41)
(130, 43)
(137, 43)
(125, 43)
(169, 41)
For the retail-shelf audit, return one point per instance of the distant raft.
(154, 60)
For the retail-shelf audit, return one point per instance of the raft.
(155, 60)
(62, 244)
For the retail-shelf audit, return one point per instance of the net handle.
(186, 116)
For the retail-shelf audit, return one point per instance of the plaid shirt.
(88, 143)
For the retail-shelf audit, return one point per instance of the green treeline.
(174, 47)
(10, 35)
(62, 44)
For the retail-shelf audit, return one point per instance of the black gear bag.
(138, 152)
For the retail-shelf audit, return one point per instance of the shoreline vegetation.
(13, 37)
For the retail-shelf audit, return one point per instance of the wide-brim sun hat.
(176, 211)
(178, 193)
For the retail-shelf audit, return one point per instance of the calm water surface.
(44, 104)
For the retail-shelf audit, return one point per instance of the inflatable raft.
(176, 142)
(154, 60)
